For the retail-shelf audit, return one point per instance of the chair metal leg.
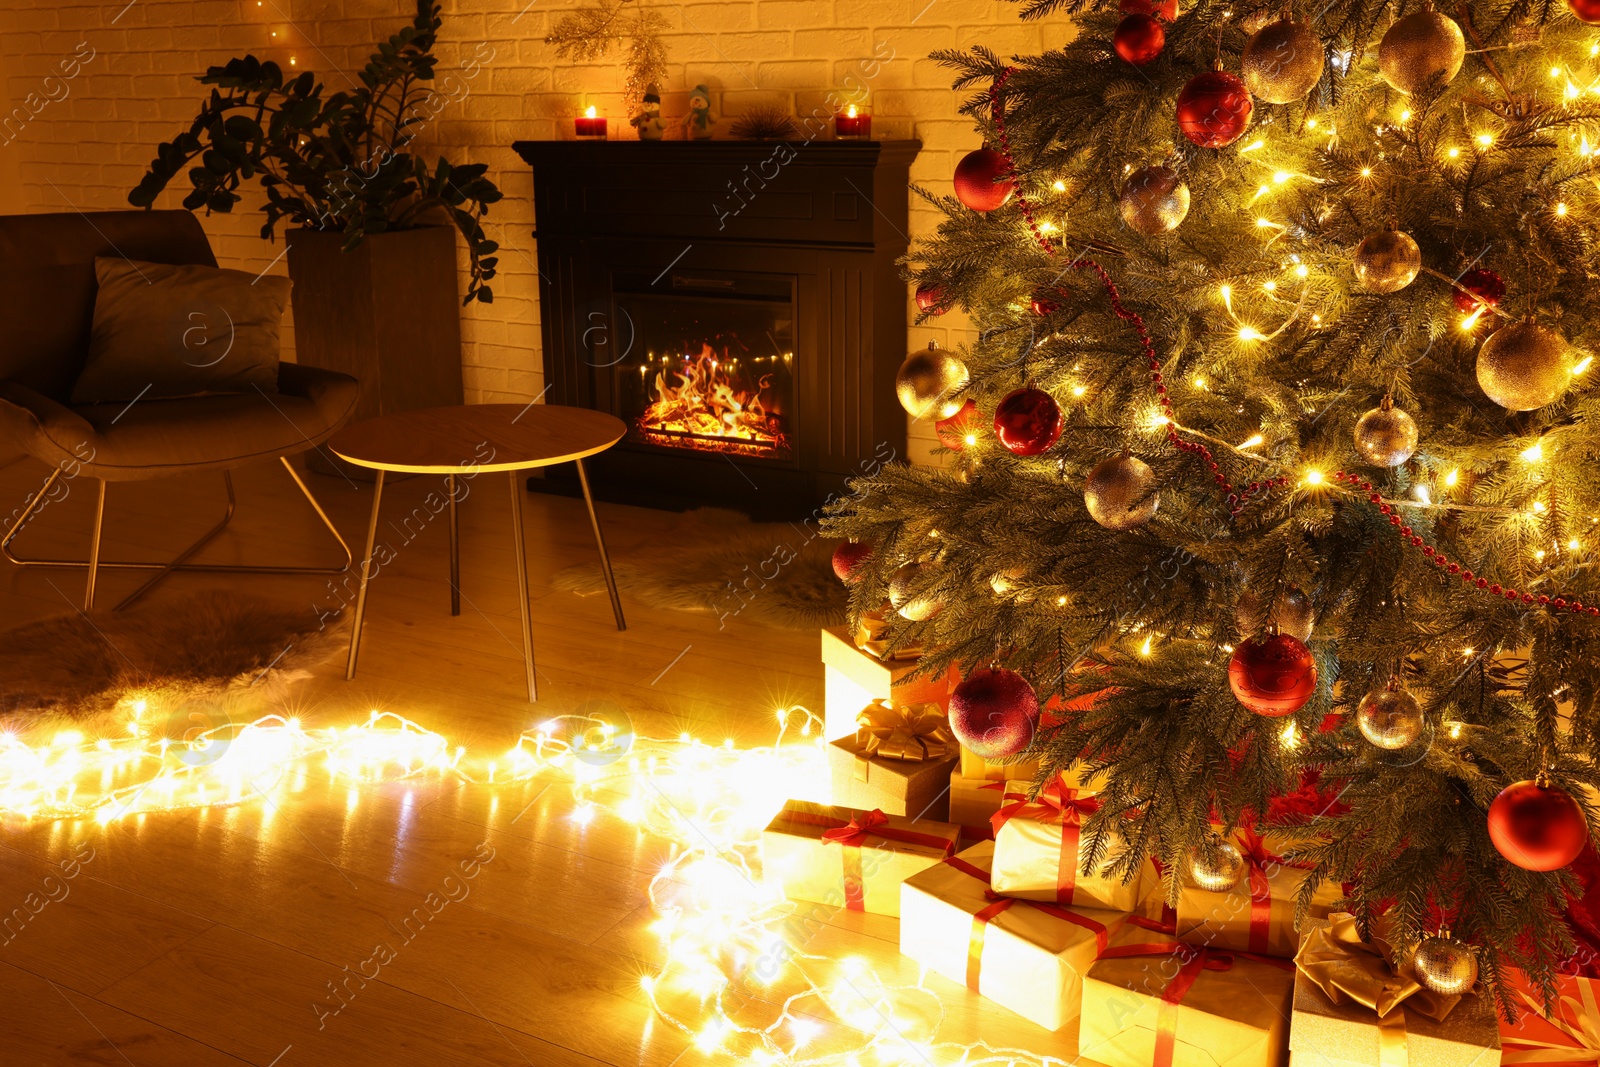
(35, 502)
(94, 546)
(522, 583)
(600, 543)
(455, 551)
(366, 577)
(183, 557)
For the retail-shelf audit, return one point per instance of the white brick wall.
(83, 141)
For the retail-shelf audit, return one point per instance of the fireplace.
(737, 304)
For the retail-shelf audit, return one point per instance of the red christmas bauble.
(1166, 10)
(993, 712)
(981, 181)
(1139, 38)
(1273, 675)
(1482, 283)
(954, 432)
(1043, 303)
(1214, 109)
(1537, 826)
(930, 298)
(848, 558)
(1027, 422)
(1586, 10)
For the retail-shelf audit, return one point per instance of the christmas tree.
(1271, 472)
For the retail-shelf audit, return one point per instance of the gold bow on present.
(872, 638)
(914, 733)
(1369, 973)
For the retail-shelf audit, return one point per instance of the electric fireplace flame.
(713, 403)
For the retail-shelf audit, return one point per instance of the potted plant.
(375, 225)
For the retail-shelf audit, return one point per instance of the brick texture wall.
(90, 87)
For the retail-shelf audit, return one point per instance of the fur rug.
(719, 562)
(234, 655)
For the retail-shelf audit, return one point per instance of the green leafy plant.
(331, 161)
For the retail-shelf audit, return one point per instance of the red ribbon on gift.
(1257, 858)
(853, 834)
(1203, 959)
(1055, 801)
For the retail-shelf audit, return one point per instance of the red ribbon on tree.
(1055, 801)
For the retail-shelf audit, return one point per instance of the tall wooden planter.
(387, 313)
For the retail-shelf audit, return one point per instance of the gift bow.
(1258, 860)
(1583, 1030)
(876, 824)
(872, 638)
(1369, 973)
(918, 732)
(1055, 802)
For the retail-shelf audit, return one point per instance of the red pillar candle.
(852, 123)
(591, 125)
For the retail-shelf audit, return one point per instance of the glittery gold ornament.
(1221, 872)
(1282, 62)
(928, 381)
(1291, 613)
(1119, 493)
(1008, 584)
(1154, 200)
(1445, 965)
(1386, 436)
(1419, 48)
(1389, 718)
(917, 607)
(1387, 261)
(1523, 366)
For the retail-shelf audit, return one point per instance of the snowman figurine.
(648, 120)
(699, 121)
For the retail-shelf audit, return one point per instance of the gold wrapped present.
(973, 801)
(1357, 1002)
(853, 677)
(899, 761)
(1258, 914)
(1152, 1001)
(1036, 854)
(1028, 956)
(849, 859)
(975, 766)
(1565, 1035)
(872, 637)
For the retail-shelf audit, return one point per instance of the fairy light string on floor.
(745, 975)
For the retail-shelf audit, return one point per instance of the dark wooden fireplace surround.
(823, 221)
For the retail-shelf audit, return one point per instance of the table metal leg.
(455, 552)
(522, 582)
(366, 577)
(600, 543)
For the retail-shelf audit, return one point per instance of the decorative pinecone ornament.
(1139, 38)
(918, 607)
(1389, 718)
(1282, 62)
(1292, 613)
(981, 182)
(927, 381)
(1154, 200)
(1214, 109)
(1386, 436)
(1445, 965)
(1387, 261)
(1523, 366)
(1221, 872)
(1419, 48)
(1119, 493)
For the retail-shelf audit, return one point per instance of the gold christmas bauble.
(1386, 436)
(918, 607)
(1007, 582)
(1291, 614)
(1523, 366)
(928, 381)
(1389, 718)
(1387, 261)
(1420, 47)
(1445, 965)
(1282, 62)
(1154, 200)
(1220, 873)
(1120, 493)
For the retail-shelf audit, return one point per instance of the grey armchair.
(47, 294)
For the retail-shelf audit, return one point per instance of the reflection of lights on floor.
(736, 977)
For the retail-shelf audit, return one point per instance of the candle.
(590, 125)
(852, 123)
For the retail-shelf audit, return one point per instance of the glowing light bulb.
(1485, 139)
(1533, 454)
(1270, 286)
(1252, 441)
(1538, 507)
(1573, 545)
(1249, 333)
(1366, 172)
(1302, 270)
(1313, 477)
(1453, 476)
(971, 439)
(1078, 390)
(1405, 116)
(1281, 176)
(1422, 494)
(1059, 186)
(1144, 649)
(1199, 382)
(1582, 365)
(1561, 210)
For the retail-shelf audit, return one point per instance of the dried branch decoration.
(589, 32)
(764, 124)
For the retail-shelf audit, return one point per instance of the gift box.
(854, 677)
(899, 760)
(1028, 956)
(1569, 1036)
(1258, 915)
(1037, 856)
(849, 859)
(1358, 1002)
(1153, 1001)
(973, 802)
(975, 766)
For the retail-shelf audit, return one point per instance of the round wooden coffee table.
(466, 441)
